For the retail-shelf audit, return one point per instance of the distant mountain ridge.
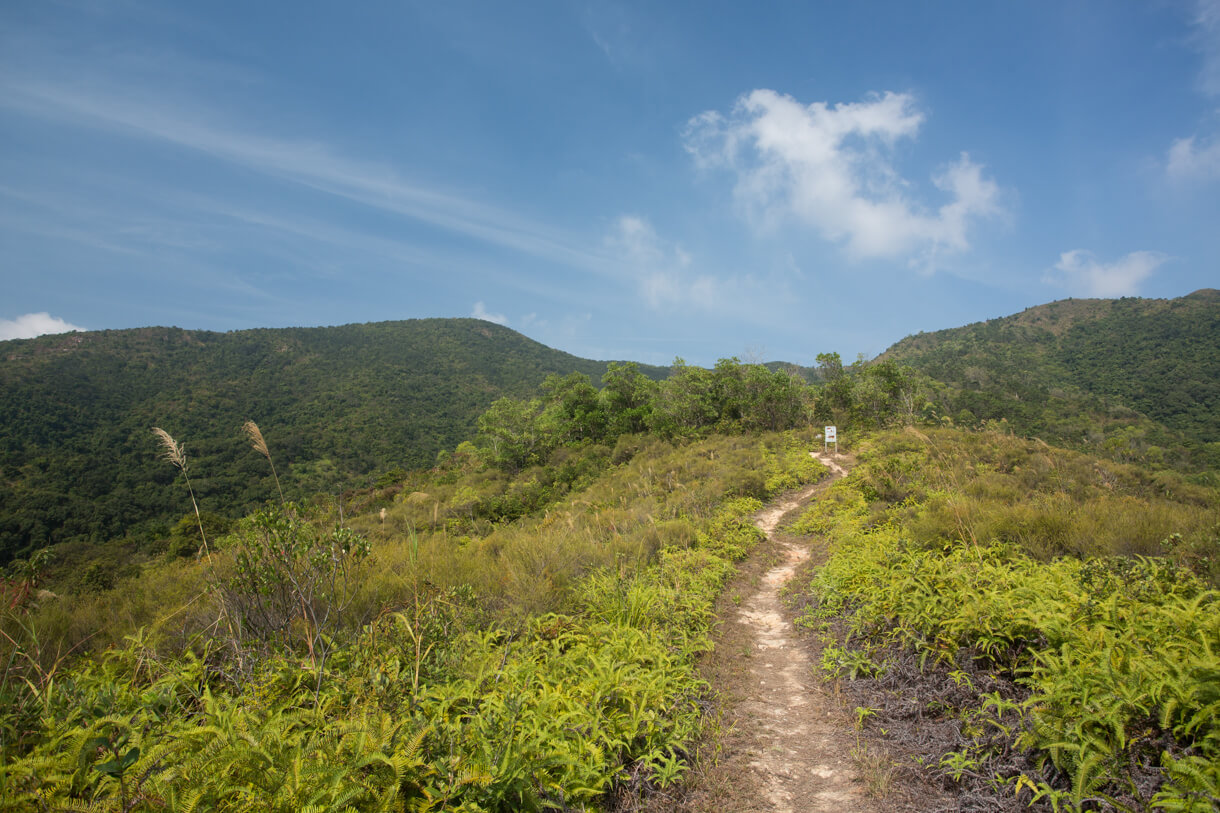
(78, 460)
(1157, 357)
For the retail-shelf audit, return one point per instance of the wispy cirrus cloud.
(831, 167)
(1196, 158)
(662, 270)
(312, 164)
(1082, 273)
(673, 282)
(29, 325)
(1207, 40)
(1193, 160)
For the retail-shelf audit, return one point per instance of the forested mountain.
(577, 546)
(1133, 379)
(78, 460)
(1133, 376)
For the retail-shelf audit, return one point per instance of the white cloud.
(661, 269)
(146, 113)
(1080, 272)
(480, 312)
(635, 239)
(670, 281)
(830, 167)
(1188, 160)
(34, 324)
(1207, 39)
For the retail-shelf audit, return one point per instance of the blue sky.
(617, 180)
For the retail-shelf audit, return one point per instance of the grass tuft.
(171, 450)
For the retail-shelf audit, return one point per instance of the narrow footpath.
(788, 742)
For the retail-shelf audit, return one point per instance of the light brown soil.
(785, 741)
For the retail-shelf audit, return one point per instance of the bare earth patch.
(785, 740)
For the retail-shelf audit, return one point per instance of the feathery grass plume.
(256, 440)
(174, 452)
(176, 455)
(171, 451)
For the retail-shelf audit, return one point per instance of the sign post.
(831, 436)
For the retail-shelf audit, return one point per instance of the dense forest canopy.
(1126, 376)
(1132, 379)
(78, 463)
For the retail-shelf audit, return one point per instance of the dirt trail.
(793, 733)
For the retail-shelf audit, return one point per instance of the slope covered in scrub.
(1028, 623)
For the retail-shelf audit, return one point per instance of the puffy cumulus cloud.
(34, 324)
(830, 166)
(1080, 272)
(661, 269)
(480, 312)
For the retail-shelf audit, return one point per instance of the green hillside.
(1133, 379)
(1139, 377)
(79, 464)
(1035, 627)
(522, 626)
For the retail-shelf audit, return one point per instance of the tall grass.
(174, 453)
(981, 487)
(255, 436)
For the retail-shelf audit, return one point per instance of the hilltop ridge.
(1134, 379)
(1075, 366)
(78, 460)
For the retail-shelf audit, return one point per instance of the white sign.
(831, 434)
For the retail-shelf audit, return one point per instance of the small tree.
(685, 403)
(774, 400)
(291, 577)
(290, 571)
(627, 396)
(837, 395)
(573, 412)
(510, 430)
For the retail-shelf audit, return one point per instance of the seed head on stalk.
(171, 451)
(175, 454)
(256, 440)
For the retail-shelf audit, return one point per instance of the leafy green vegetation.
(691, 402)
(78, 466)
(424, 654)
(517, 627)
(1133, 379)
(1066, 597)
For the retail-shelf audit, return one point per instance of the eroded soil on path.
(785, 741)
